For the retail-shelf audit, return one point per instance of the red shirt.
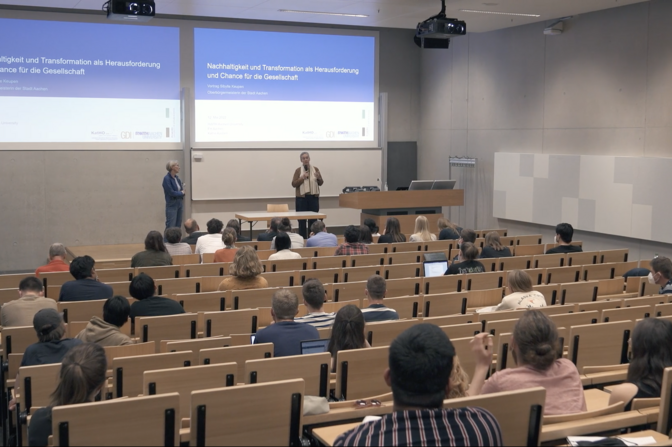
(356, 248)
(55, 265)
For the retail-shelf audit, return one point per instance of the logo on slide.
(126, 135)
(331, 134)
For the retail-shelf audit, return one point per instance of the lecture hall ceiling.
(380, 13)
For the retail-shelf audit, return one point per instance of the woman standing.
(307, 181)
(173, 190)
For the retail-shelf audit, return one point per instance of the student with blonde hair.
(245, 271)
(521, 296)
(226, 254)
(422, 233)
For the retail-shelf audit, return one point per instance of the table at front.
(266, 217)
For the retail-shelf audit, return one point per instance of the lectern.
(404, 205)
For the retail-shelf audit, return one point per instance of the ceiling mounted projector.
(139, 11)
(436, 31)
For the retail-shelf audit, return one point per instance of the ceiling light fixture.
(500, 13)
(340, 14)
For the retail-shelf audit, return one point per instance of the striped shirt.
(451, 427)
(317, 319)
(379, 312)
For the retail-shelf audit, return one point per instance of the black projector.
(436, 32)
(141, 11)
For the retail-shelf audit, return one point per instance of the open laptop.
(421, 185)
(434, 264)
(314, 346)
(444, 184)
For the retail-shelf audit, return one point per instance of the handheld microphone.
(305, 167)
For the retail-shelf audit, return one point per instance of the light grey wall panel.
(659, 65)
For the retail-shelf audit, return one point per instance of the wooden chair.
(482, 281)
(287, 265)
(519, 413)
(12, 281)
(186, 380)
(325, 275)
(463, 351)
(57, 278)
(412, 257)
(115, 275)
(150, 420)
(403, 287)
(563, 274)
(33, 390)
(614, 255)
(170, 327)
(204, 301)
(350, 291)
(365, 260)
(640, 285)
(445, 284)
(461, 330)
(647, 300)
(440, 304)
(177, 285)
(185, 259)
(531, 239)
(81, 310)
(515, 263)
(235, 354)
(353, 274)
(664, 424)
(406, 247)
(312, 368)
(399, 271)
(598, 271)
(528, 250)
(576, 319)
(502, 346)
(449, 320)
(127, 371)
(626, 313)
(599, 305)
(162, 272)
(194, 345)
(613, 286)
(548, 261)
(252, 298)
(439, 245)
(583, 258)
(281, 279)
(277, 208)
(384, 332)
(230, 416)
(359, 373)
(550, 292)
(620, 268)
(230, 322)
(480, 298)
(199, 270)
(407, 307)
(487, 317)
(538, 276)
(15, 340)
(599, 344)
(662, 310)
(577, 292)
(330, 262)
(112, 352)
(496, 327)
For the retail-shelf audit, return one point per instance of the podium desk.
(404, 205)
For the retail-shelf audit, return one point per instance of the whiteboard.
(235, 174)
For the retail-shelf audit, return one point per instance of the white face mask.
(652, 280)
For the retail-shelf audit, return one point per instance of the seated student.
(285, 334)
(392, 232)
(283, 243)
(245, 271)
(143, 289)
(174, 246)
(272, 231)
(235, 225)
(493, 248)
(373, 227)
(467, 262)
(376, 288)
(563, 237)
(466, 235)
(448, 230)
(535, 347)
(106, 331)
(51, 346)
(82, 377)
(155, 253)
(422, 233)
(314, 297)
(285, 226)
(522, 296)
(85, 287)
(365, 236)
(352, 246)
(56, 260)
(661, 274)
(347, 332)
(227, 253)
(193, 232)
(319, 236)
(211, 242)
(651, 345)
(420, 365)
(31, 300)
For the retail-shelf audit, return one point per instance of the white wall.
(595, 89)
(114, 197)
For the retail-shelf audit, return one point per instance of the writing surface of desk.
(327, 435)
(266, 217)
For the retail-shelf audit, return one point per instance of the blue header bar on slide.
(88, 60)
(282, 66)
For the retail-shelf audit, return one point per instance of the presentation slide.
(261, 86)
(84, 82)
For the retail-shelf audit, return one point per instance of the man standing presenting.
(173, 189)
(307, 181)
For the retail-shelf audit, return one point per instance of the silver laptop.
(314, 346)
(444, 184)
(421, 185)
(435, 268)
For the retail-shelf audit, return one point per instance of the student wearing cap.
(51, 347)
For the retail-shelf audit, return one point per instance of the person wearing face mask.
(661, 273)
(563, 237)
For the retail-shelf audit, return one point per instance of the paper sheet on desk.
(645, 440)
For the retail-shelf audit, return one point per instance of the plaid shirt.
(356, 248)
(451, 427)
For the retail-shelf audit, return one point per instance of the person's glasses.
(365, 403)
